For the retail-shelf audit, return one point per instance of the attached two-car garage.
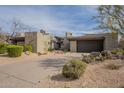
(86, 44)
(89, 45)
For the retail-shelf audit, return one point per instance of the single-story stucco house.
(93, 42)
(41, 41)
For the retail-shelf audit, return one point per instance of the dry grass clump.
(113, 66)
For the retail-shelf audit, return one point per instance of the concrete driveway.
(29, 72)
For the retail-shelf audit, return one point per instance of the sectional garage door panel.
(89, 45)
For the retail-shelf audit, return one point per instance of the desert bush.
(74, 69)
(65, 50)
(92, 57)
(99, 58)
(117, 51)
(14, 50)
(87, 58)
(50, 49)
(95, 54)
(113, 67)
(3, 48)
(106, 54)
(27, 48)
(114, 51)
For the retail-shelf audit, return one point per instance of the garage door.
(89, 45)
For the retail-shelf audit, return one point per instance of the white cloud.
(42, 18)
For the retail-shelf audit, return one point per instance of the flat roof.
(86, 38)
(17, 38)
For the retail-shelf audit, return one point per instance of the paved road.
(28, 74)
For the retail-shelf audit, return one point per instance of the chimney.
(42, 31)
(68, 34)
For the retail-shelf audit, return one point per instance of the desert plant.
(113, 67)
(27, 48)
(117, 51)
(50, 49)
(3, 48)
(74, 69)
(95, 54)
(106, 54)
(14, 50)
(100, 58)
(114, 51)
(87, 58)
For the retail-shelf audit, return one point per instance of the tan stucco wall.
(121, 42)
(31, 38)
(40, 42)
(73, 46)
(65, 44)
(43, 42)
(111, 41)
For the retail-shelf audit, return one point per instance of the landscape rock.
(87, 58)
(120, 57)
(114, 56)
(100, 58)
(95, 54)
(58, 52)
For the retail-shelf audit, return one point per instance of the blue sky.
(54, 19)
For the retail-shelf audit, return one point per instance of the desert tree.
(110, 17)
(2, 35)
(17, 27)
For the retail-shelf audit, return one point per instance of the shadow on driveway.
(4, 55)
(53, 62)
(60, 77)
(56, 62)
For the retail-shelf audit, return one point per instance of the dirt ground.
(47, 70)
(95, 76)
(4, 59)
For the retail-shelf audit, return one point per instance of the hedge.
(3, 48)
(14, 50)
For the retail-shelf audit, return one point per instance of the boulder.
(120, 57)
(95, 54)
(114, 56)
(99, 58)
(106, 54)
(87, 58)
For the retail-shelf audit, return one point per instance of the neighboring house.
(93, 42)
(40, 41)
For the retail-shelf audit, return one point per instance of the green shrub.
(3, 48)
(74, 69)
(14, 50)
(27, 48)
(50, 49)
(114, 51)
(117, 51)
